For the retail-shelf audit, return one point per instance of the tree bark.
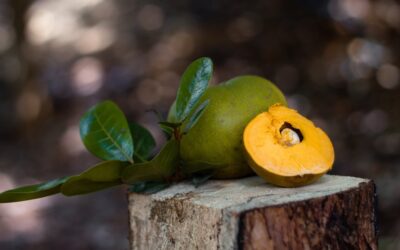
(337, 212)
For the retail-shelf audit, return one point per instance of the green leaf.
(193, 83)
(148, 187)
(143, 142)
(161, 167)
(33, 191)
(194, 118)
(79, 187)
(169, 127)
(168, 131)
(170, 124)
(171, 117)
(103, 175)
(105, 132)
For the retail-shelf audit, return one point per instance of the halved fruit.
(287, 149)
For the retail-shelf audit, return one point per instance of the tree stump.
(337, 212)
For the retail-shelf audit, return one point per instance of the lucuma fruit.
(215, 142)
(287, 149)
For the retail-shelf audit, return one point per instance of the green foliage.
(161, 167)
(170, 124)
(33, 191)
(143, 142)
(105, 132)
(217, 136)
(193, 83)
(168, 131)
(103, 175)
(194, 118)
(126, 148)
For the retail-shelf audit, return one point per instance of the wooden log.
(336, 212)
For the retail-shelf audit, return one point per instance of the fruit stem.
(177, 134)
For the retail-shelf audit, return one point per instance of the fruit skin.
(215, 142)
(282, 181)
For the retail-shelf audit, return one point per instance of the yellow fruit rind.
(283, 181)
(287, 149)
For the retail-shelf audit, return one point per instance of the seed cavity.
(290, 136)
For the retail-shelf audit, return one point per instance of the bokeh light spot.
(6, 38)
(87, 76)
(345, 9)
(95, 39)
(374, 122)
(19, 219)
(389, 11)
(28, 105)
(388, 76)
(365, 51)
(71, 142)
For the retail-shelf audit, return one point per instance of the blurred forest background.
(336, 60)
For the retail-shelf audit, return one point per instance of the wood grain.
(337, 212)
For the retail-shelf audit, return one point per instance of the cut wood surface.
(337, 212)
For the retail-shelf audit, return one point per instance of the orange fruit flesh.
(286, 148)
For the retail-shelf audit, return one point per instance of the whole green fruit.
(215, 142)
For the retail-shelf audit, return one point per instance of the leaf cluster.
(126, 148)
